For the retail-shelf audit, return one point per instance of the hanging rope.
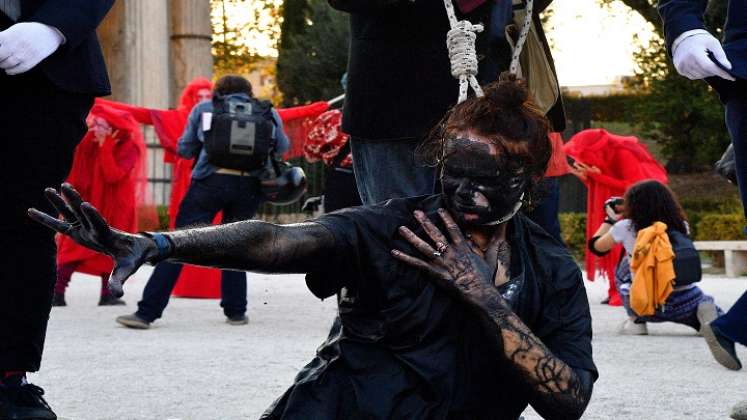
(460, 41)
(514, 67)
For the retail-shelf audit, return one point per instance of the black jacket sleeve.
(361, 6)
(680, 16)
(76, 19)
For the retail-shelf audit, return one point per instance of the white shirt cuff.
(686, 34)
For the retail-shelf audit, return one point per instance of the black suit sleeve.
(76, 19)
(680, 16)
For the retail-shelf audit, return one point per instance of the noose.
(460, 41)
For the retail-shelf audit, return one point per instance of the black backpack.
(240, 135)
(686, 259)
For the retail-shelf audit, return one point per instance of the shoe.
(58, 300)
(133, 321)
(237, 320)
(739, 411)
(111, 301)
(706, 314)
(24, 402)
(605, 302)
(628, 327)
(721, 348)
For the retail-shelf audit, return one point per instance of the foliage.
(722, 227)
(313, 56)
(573, 232)
(244, 32)
(614, 107)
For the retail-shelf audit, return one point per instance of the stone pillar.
(191, 38)
(135, 40)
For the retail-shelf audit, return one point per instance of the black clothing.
(407, 350)
(340, 190)
(399, 75)
(43, 115)
(41, 128)
(78, 65)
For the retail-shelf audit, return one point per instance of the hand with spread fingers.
(83, 223)
(455, 264)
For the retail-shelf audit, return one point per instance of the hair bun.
(508, 92)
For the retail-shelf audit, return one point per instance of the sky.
(592, 44)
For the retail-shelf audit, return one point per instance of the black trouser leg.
(40, 127)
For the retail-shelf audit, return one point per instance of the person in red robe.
(109, 171)
(608, 164)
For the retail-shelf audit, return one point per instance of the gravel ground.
(192, 365)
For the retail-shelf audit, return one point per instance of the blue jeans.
(387, 169)
(546, 213)
(733, 324)
(238, 197)
(736, 122)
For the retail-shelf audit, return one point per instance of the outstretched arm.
(249, 245)
(558, 391)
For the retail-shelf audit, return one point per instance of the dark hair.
(650, 201)
(232, 83)
(508, 117)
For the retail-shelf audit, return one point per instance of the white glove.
(690, 56)
(25, 44)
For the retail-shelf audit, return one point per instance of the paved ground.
(192, 365)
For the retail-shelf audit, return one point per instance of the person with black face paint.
(452, 305)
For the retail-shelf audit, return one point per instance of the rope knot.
(460, 41)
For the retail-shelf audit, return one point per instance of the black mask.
(480, 188)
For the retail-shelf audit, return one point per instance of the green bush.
(163, 217)
(720, 227)
(573, 231)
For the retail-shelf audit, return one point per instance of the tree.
(313, 51)
(683, 116)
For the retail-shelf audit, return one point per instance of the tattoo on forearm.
(558, 388)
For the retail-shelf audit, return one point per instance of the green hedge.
(720, 227)
(573, 231)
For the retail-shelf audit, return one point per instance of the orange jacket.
(653, 277)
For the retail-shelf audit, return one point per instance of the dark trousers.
(41, 126)
(238, 197)
(546, 213)
(340, 190)
(736, 122)
(733, 324)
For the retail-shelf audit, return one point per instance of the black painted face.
(482, 187)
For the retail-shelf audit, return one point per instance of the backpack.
(241, 133)
(686, 259)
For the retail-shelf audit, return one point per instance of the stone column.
(135, 40)
(191, 38)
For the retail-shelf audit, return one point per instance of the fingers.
(120, 274)
(74, 200)
(430, 228)
(94, 218)
(418, 243)
(60, 205)
(455, 232)
(418, 263)
(49, 221)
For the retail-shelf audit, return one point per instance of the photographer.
(646, 203)
(237, 193)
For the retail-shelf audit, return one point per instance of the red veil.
(622, 161)
(112, 177)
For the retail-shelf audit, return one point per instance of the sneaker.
(58, 300)
(739, 412)
(237, 320)
(721, 348)
(111, 301)
(629, 327)
(706, 314)
(133, 321)
(24, 402)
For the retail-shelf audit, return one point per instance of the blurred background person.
(109, 170)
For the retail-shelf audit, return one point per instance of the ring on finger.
(442, 247)
(436, 254)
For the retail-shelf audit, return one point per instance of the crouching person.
(451, 306)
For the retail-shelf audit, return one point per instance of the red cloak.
(622, 161)
(113, 178)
